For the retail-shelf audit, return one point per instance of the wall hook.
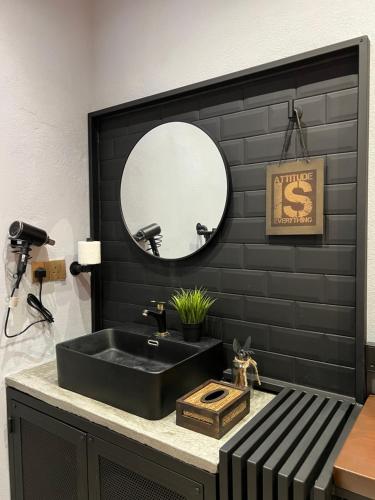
(292, 110)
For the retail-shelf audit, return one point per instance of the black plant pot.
(192, 332)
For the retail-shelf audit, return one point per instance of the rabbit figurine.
(242, 362)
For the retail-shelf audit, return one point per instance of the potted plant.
(192, 307)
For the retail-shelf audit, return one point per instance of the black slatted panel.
(314, 462)
(117, 482)
(254, 440)
(256, 460)
(296, 458)
(289, 452)
(225, 464)
(323, 484)
(281, 453)
(43, 451)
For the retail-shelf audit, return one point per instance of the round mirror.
(174, 190)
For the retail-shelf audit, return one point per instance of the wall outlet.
(55, 269)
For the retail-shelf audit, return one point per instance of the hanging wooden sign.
(294, 198)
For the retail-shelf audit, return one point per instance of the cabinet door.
(118, 474)
(50, 457)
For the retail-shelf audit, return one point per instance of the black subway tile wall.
(294, 295)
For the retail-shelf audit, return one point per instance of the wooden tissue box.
(213, 408)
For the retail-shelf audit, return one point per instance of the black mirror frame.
(225, 209)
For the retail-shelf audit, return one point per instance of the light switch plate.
(55, 269)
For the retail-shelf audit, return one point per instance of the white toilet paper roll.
(89, 253)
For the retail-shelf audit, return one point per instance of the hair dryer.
(22, 236)
(26, 232)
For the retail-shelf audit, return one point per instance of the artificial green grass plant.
(192, 305)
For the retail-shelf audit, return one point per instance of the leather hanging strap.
(295, 119)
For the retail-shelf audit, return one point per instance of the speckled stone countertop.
(163, 435)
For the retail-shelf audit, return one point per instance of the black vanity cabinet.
(60, 456)
(115, 472)
(49, 457)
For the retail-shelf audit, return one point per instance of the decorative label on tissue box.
(213, 408)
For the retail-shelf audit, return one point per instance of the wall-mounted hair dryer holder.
(23, 249)
(22, 237)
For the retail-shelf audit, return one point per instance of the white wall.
(150, 46)
(44, 82)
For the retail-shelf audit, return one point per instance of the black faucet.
(161, 317)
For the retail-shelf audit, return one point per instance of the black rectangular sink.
(128, 368)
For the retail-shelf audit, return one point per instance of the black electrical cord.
(35, 303)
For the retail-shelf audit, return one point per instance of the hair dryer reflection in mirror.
(151, 237)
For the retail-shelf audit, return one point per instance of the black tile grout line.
(243, 297)
(313, 157)
(263, 217)
(282, 244)
(351, 214)
(312, 332)
(285, 273)
(326, 185)
(242, 138)
(269, 326)
(294, 360)
(260, 163)
(252, 269)
(223, 240)
(351, 120)
(268, 271)
(276, 103)
(292, 357)
(327, 214)
(218, 117)
(263, 163)
(234, 191)
(271, 297)
(293, 158)
(304, 359)
(244, 267)
(264, 242)
(277, 325)
(240, 293)
(292, 244)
